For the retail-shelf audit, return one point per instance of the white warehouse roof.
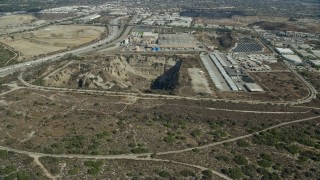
(293, 58)
(253, 87)
(315, 62)
(285, 51)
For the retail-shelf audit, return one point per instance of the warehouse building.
(284, 51)
(177, 41)
(253, 87)
(293, 59)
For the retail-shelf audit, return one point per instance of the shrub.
(249, 170)
(234, 173)
(139, 150)
(164, 174)
(240, 160)
(187, 173)
(73, 171)
(93, 164)
(242, 143)
(207, 173)
(169, 139)
(195, 133)
(93, 171)
(264, 163)
(266, 157)
(293, 149)
(223, 158)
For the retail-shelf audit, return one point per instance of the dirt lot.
(15, 20)
(136, 73)
(199, 81)
(52, 38)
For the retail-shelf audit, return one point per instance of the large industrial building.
(183, 40)
(289, 55)
(293, 59)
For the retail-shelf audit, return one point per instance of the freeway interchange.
(117, 34)
(111, 39)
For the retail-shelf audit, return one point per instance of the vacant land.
(136, 73)
(288, 26)
(265, 22)
(282, 85)
(9, 23)
(290, 152)
(278, 86)
(16, 166)
(199, 81)
(53, 16)
(52, 38)
(118, 169)
(313, 78)
(55, 122)
(210, 39)
(239, 20)
(6, 55)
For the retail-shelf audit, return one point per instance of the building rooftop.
(315, 62)
(253, 87)
(294, 58)
(285, 51)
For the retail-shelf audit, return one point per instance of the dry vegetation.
(16, 166)
(287, 153)
(278, 86)
(282, 85)
(52, 38)
(118, 169)
(85, 124)
(278, 23)
(135, 73)
(6, 56)
(7, 23)
(313, 78)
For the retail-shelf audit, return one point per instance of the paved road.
(156, 96)
(312, 91)
(114, 32)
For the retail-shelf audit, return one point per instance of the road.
(114, 32)
(312, 91)
(113, 39)
(147, 156)
(156, 96)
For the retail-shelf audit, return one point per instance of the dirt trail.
(46, 172)
(146, 156)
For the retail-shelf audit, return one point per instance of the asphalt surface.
(114, 32)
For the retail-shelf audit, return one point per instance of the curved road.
(114, 32)
(147, 156)
(111, 39)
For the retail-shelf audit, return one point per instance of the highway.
(114, 32)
